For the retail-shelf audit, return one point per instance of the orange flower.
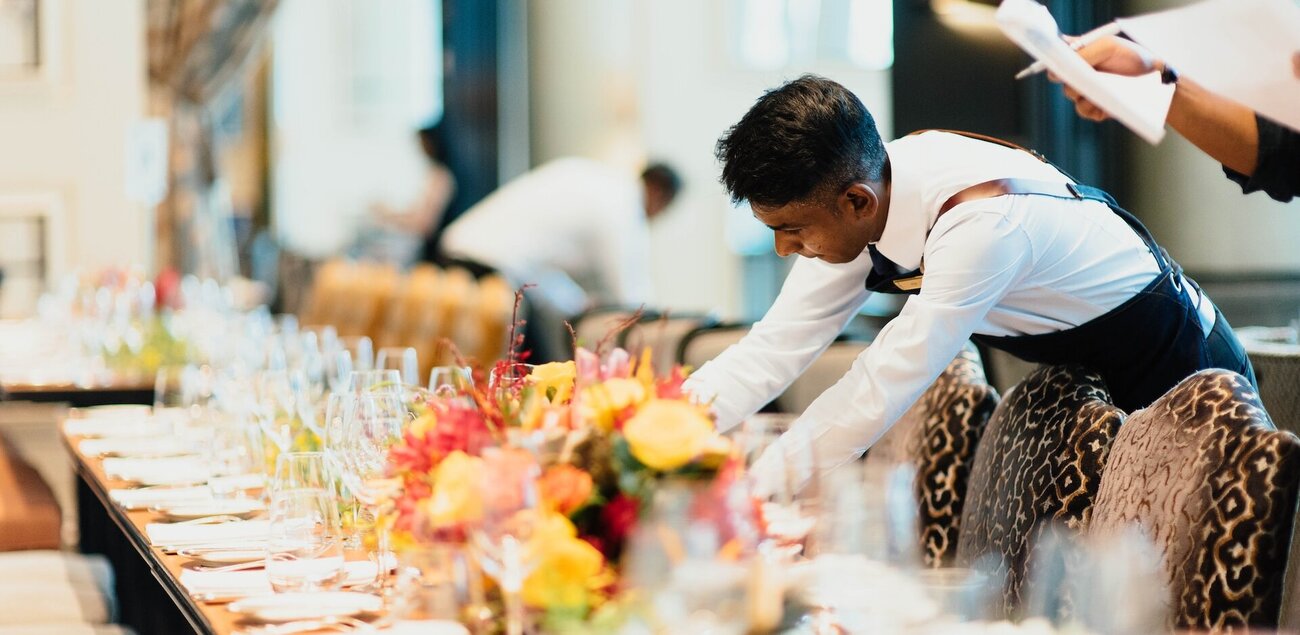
(566, 488)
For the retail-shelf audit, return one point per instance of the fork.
(209, 520)
(342, 624)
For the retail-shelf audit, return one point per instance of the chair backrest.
(1039, 464)
(938, 436)
(1278, 373)
(598, 325)
(1203, 472)
(827, 369)
(707, 342)
(664, 335)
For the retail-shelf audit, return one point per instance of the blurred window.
(779, 34)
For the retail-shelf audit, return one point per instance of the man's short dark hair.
(808, 134)
(662, 176)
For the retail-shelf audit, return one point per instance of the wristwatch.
(1167, 74)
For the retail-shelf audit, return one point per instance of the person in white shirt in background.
(994, 242)
(578, 230)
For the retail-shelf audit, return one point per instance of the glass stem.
(514, 612)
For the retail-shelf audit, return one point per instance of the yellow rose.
(602, 403)
(456, 496)
(555, 380)
(568, 569)
(667, 434)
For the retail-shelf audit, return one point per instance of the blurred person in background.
(577, 229)
(417, 229)
(1257, 153)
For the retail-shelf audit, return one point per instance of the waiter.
(988, 239)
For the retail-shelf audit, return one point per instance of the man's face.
(834, 228)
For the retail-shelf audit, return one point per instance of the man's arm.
(815, 303)
(966, 276)
(1220, 127)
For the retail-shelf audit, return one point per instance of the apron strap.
(985, 138)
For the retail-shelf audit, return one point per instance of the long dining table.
(150, 596)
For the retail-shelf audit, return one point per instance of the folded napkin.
(144, 498)
(254, 581)
(133, 447)
(425, 627)
(116, 427)
(174, 470)
(182, 535)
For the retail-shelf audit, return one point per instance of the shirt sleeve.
(1277, 168)
(968, 270)
(816, 301)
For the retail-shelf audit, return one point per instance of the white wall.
(1201, 216)
(623, 80)
(65, 132)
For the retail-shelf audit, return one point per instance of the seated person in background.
(421, 223)
(575, 228)
(1257, 153)
(986, 239)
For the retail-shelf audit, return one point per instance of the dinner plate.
(290, 607)
(241, 507)
(222, 557)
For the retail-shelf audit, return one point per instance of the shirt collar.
(903, 240)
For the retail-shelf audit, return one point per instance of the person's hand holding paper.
(1138, 102)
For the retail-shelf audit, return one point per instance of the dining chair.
(939, 436)
(600, 326)
(1039, 465)
(1205, 475)
(663, 334)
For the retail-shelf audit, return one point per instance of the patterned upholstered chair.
(939, 435)
(1040, 464)
(1205, 475)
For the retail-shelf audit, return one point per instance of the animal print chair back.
(938, 436)
(1208, 478)
(1040, 464)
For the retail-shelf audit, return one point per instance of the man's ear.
(859, 201)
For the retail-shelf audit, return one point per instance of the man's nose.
(786, 244)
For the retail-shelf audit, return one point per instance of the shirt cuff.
(1277, 163)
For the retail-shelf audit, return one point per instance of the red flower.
(617, 520)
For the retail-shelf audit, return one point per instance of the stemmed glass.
(375, 422)
(361, 351)
(510, 514)
(450, 381)
(404, 360)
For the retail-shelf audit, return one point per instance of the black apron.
(1141, 348)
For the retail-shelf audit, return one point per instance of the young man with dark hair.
(990, 240)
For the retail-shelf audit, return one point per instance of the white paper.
(151, 496)
(254, 581)
(1240, 49)
(179, 535)
(1141, 103)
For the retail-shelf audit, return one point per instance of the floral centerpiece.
(604, 431)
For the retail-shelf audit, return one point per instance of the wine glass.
(304, 545)
(510, 513)
(450, 381)
(363, 381)
(338, 369)
(374, 422)
(402, 359)
(361, 350)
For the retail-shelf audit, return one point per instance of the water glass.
(302, 470)
(305, 545)
(363, 381)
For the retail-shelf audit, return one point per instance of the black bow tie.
(883, 266)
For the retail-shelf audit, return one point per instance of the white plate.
(220, 557)
(242, 507)
(290, 607)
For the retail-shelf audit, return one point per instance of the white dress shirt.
(1010, 265)
(572, 226)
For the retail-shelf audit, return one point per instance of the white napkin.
(178, 470)
(181, 535)
(254, 581)
(144, 498)
(130, 447)
(426, 627)
(115, 427)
